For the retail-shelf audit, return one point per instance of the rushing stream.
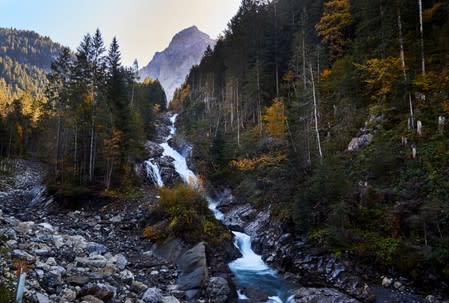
(250, 271)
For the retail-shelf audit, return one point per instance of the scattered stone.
(386, 282)
(152, 295)
(218, 288)
(121, 261)
(91, 299)
(41, 298)
(322, 295)
(68, 294)
(171, 299)
(138, 286)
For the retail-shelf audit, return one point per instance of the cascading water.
(154, 172)
(250, 270)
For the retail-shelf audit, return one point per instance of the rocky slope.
(173, 64)
(96, 254)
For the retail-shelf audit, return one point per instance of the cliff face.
(172, 65)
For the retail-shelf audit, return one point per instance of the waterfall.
(250, 270)
(154, 172)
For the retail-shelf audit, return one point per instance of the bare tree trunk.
(276, 42)
(304, 73)
(75, 156)
(404, 70)
(259, 102)
(58, 143)
(238, 115)
(315, 113)
(421, 30)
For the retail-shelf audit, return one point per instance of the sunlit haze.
(142, 27)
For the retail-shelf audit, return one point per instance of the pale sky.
(142, 27)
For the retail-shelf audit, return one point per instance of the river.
(250, 271)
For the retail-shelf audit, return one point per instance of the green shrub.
(184, 213)
(6, 294)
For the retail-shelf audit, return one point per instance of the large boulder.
(360, 142)
(170, 250)
(321, 295)
(193, 266)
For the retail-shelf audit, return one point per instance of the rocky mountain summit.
(173, 64)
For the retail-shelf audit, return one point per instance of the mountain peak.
(172, 65)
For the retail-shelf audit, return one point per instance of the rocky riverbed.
(90, 255)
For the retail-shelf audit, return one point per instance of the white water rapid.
(250, 270)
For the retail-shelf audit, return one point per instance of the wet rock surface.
(299, 263)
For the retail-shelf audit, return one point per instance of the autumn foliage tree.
(334, 26)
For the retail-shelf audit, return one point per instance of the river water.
(250, 271)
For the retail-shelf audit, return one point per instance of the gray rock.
(116, 219)
(193, 268)
(153, 149)
(218, 289)
(360, 142)
(68, 295)
(96, 248)
(321, 295)
(170, 299)
(152, 295)
(77, 280)
(24, 227)
(94, 261)
(138, 286)
(41, 298)
(91, 299)
(121, 261)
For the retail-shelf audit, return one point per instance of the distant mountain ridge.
(25, 58)
(172, 65)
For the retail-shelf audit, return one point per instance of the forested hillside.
(25, 57)
(272, 111)
(90, 121)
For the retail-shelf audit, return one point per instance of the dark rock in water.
(255, 294)
(193, 268)
(218, 289)
(321, 295)
(166, 161)
(153, 149)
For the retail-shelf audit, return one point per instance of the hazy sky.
(142, 27)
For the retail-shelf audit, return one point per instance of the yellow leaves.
(430, 12)
(260, 162)
(335, 20)
(326, 73)
(275, 119)
(381, 76)
(156, 108)
(445, 106)
(112, 144)
(289, 76)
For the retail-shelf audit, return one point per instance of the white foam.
(250, 261)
